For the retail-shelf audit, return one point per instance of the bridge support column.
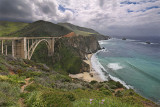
(20, 49)
(51, 50)
(13, 46)
(6, 49)
(2, 46)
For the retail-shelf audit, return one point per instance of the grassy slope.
(49, 88)
(9, 27)
(79, 30)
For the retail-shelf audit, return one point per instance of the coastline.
(92, 75)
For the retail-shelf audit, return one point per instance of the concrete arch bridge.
(24, 47)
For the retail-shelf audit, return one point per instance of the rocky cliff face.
(70, 53)
(83, 45)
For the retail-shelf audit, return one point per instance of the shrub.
(48, 99)
(119, 85)
(70, 96)
(93, 82)
(62, 78)
(3, 78)
(9, 94)
(107, 92)
(30, 74)
(3, 68)
(118, 94)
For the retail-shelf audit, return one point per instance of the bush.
(30, 74)
(48, 99)
(3, 68)
(70, 96)
(118, 94)
(9, 94)
(119, 85)
(107, 92)
(62, 78)
(93, 82)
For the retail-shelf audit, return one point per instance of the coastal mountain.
(42, 28)
(84, 31)
(7, 27)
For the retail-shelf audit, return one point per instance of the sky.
(109, 17)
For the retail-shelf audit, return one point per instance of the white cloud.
(106, 16)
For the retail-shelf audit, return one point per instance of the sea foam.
(114, 66)
(96, 65)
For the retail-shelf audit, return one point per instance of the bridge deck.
(18, 38)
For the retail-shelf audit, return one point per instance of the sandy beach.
(88, 76)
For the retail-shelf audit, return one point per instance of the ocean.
(133, 63)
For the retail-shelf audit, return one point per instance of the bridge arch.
(35, 44)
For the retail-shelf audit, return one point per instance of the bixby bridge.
(24, 47)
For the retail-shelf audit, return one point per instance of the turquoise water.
(135, 63)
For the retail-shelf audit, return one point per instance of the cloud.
(32, 10)
(111, 17)
(17, 10)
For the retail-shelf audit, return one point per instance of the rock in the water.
(148, 42)
(123, 38)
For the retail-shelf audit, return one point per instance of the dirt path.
(21, 100)
(26, 84)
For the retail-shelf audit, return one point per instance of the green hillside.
(83, 31)
(79, 30)
(7, 27)
(42, 28)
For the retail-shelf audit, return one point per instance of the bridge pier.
(2, 46)
(6, 50)
(13, 46)
(51, 49)
(19, 48)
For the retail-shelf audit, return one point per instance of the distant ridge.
(83, 31)
(42, 28)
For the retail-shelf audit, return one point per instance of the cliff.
(69, 54)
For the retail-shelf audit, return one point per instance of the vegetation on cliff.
(26, 83)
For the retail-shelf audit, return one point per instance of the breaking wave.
(96, 65)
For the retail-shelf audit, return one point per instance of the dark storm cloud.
(15, 10)
(47, 7)
(101, 2)
(32, 10)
